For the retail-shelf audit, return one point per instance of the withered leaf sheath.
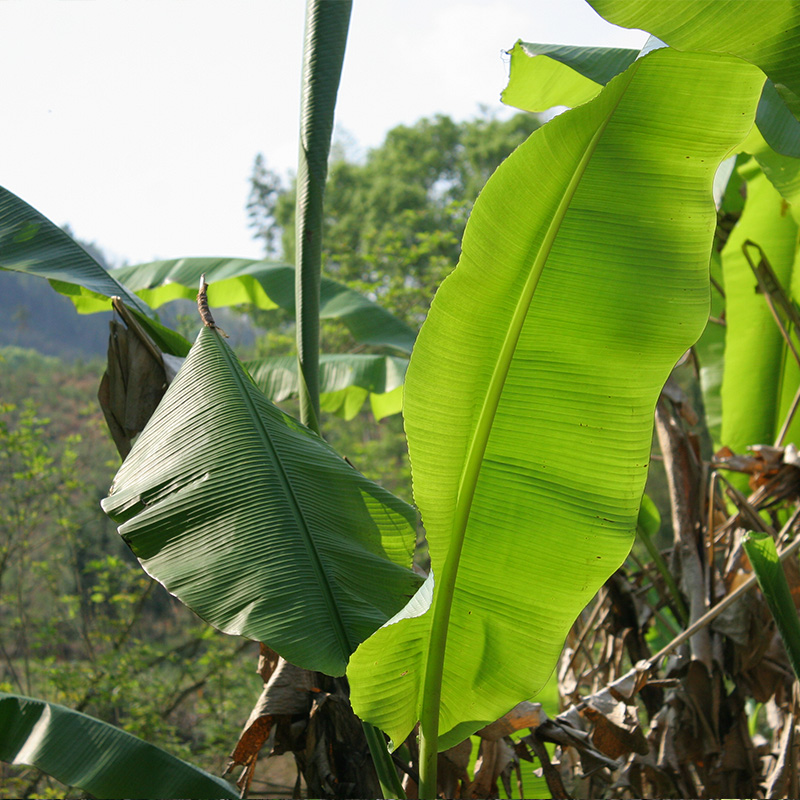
(202, 307)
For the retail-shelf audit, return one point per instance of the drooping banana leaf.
(94, 756)
(346, 382)
(569, 76)
(31, 243)
(266, 285)
(760, 377)
(256, 523)
(530, 393)
(783, 172)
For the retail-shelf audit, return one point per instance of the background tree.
(394, 220)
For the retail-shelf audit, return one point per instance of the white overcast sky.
(137, 122)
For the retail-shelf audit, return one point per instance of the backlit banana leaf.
(569, 76)
(550, 75)
(530, 393)
(783, 172)
(760, 377)
(766, 34)
(94, 756)
(257, 524)
(346, 382)
(31, 243)
(266, 285)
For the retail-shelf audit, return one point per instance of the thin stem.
(788, 421)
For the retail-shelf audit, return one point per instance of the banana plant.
(530, 392)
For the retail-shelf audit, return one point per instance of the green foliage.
(82, 624)
(760, 549)
(393, 223)
(529, 400)
(760, 375)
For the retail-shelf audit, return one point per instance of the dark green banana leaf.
(94, 756)
(257, 524)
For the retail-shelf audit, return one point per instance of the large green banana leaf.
(766, 34)
(346, 381)
(760, 377)
(569, 76)
(31, 243)
(530, 393)
(266, 285)
(94, 756)
(256, 523)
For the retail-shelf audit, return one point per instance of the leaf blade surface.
(256, 523)
(82, 751)
(576, 362)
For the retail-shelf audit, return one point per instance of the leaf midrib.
(305, 533)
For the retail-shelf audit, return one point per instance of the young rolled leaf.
(266, 285)
(530, 393)
(94, 756)
(761, 376)
(346, 381)
(257, 524)
(325, 37)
